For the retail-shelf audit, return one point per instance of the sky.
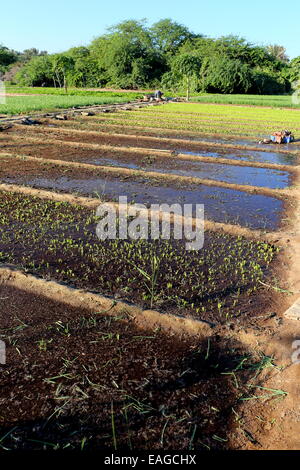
(57, 25)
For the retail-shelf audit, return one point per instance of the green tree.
(37, 72)
(7, 57)
(222, 75)
(62, 67)
(127, 55)
(168, 36)
(28, 54)
(187, 66)
(295, 69)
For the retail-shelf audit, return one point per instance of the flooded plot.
(248, 156)
(59, 151)
(260, 177)
(221, 204)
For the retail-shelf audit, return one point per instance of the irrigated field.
(119, 375)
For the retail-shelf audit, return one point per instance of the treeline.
(166, 55)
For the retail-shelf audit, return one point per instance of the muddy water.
(221, 205)
(261, 177)
(249, 156)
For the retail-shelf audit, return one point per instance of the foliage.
(38, 72)
(131, 55)
(168, 36)
(186, 66)
(221, 75)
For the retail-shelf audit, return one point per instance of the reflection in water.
(221, 204)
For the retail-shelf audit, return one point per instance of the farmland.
(142, 344)
(23, 104)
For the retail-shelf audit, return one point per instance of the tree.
(28, 54)
(222, 75)
(168, 36)
(295, 69)
(36, 72)
(62, 67)
(187, 66)
(127, 55)
(279, 52)
(7, 56)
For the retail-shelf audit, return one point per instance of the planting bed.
(200, 145)
(221, 204)
(82, 377)
(84, 380)
(146, 161)
(54, 239)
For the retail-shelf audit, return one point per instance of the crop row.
(192, 124)
(231, 111)
(192, 119)
(160, 112)
(207, 127)
(112, 131)
(58, 240)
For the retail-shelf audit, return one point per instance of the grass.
(252, 100)
(71, 91)
(274, 101)
(25, 104)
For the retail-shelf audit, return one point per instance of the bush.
(266, 83)
(221, 75)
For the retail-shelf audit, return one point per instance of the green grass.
(71, 91)
(281, 101)
(206, 118)
(25, 104)
(254, 100)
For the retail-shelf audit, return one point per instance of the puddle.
(261, 177)
(221, 205)
(249, 156)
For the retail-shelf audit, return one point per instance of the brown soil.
(92, 141)
(75, 371)
(141, 186)
(76, 368)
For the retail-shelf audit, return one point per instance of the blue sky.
(59, 24)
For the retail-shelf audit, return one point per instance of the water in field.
(221, 204)
(248, 156)
(261, 177)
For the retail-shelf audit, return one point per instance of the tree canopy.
(167, 54)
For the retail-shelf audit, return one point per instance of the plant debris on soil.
(217, 283)
(83, 380)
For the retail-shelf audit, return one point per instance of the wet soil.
(261, 177)
(216, 282)
(221, 204)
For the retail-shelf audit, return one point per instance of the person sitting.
(158, 95)
(279, 137)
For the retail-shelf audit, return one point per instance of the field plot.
(101, 378)
(82, 370)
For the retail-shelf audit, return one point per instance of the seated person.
(282, 137)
